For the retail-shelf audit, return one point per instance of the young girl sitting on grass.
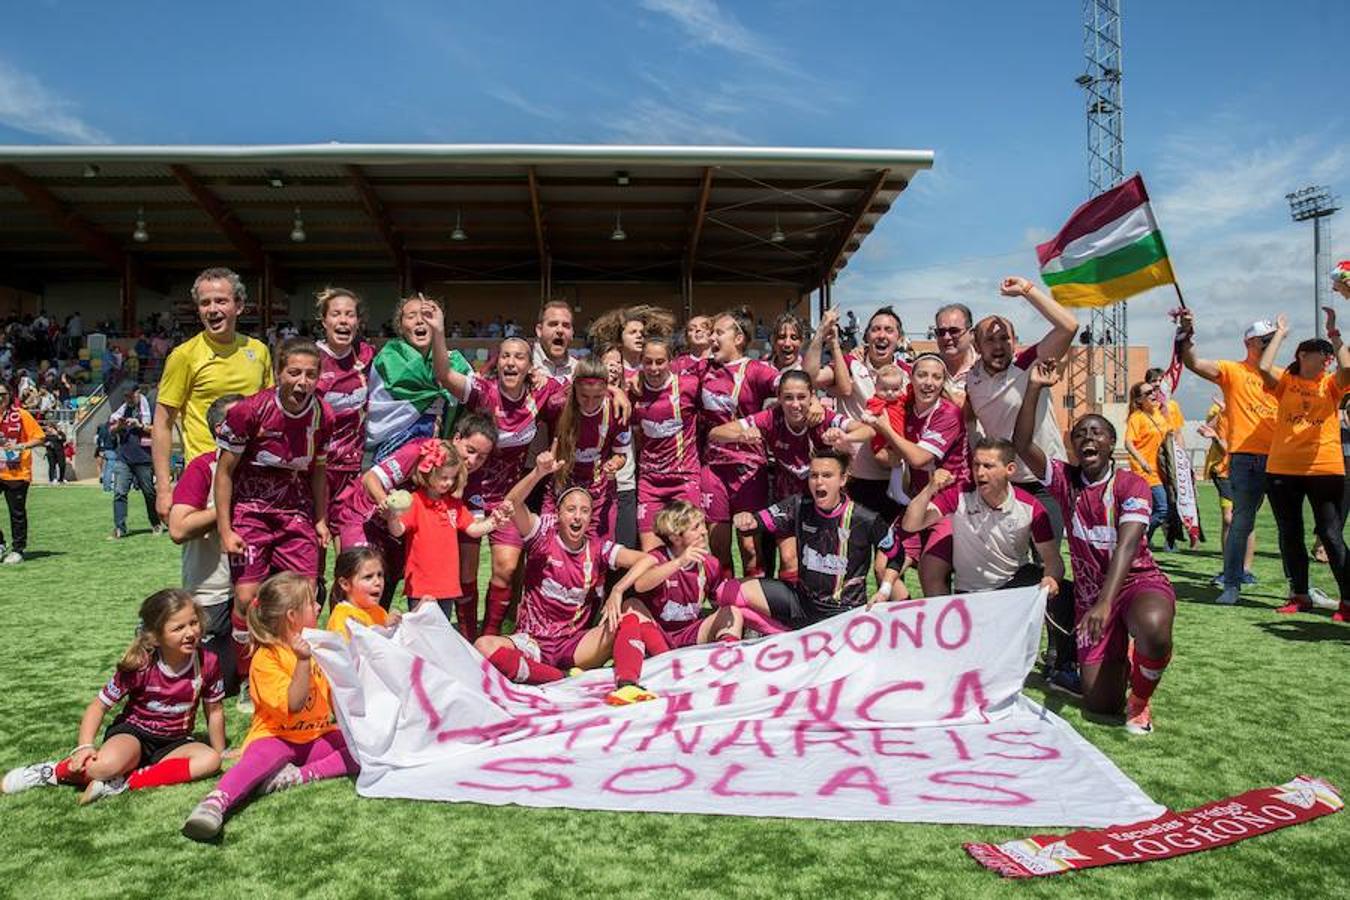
(292, 739)
(431, 527)
(162, 676)
(358, 584)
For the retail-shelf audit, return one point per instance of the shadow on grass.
(30, 555)
(1305, 630)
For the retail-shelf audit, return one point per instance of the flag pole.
(1180, 299)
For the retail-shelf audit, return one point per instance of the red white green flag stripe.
(1110, 249)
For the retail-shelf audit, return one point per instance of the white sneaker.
(1227, 597)
(205, 821)
(1321, 600)
(97, 790)
(18, 780)
(12, 558)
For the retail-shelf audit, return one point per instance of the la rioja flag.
(1110, 249)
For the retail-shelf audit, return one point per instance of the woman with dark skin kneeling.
(1120, 594)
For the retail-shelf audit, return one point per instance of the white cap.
(1259, 329)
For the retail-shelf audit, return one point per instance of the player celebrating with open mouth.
(1119, 592)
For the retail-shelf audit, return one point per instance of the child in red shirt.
(431, 527)
(889, 400)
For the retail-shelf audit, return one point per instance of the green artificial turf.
(1251, 699)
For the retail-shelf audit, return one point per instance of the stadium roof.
(782, 215)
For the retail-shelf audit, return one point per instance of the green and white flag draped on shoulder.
(406, 398)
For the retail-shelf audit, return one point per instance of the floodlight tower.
(1316, 203)
(1099, 370)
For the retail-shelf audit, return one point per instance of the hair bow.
(431, 457)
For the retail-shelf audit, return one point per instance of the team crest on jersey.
(250, 355)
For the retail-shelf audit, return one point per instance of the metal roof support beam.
(696, 225)
(540, 236)
(99, 244)
(393, 239)
(850, 230)
(229, 225)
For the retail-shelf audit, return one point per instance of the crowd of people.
(620, 492)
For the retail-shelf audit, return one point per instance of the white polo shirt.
(997, 398)
(989, 543)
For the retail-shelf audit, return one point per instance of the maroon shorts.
(274, 542)
(658, 490)
(604, 508)
(683, 634)
(934, 541)
(1115, 639)
(728, 490)
(560, 652)
(505, 534)
(339, 482)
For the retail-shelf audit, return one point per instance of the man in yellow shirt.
(1249, 411)
(216, 362)
(19, 434)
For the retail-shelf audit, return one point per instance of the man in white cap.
(1249, 409)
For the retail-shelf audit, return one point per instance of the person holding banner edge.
(1120, 594)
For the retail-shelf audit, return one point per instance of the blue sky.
(1228, 107)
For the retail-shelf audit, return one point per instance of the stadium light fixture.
(1315, 202)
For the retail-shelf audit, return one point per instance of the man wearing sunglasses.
(19, 434)
(1249, 411)
(954, 332)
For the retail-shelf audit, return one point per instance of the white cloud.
(648, 121)
(513, 98)
(27, 105)
(709, 25)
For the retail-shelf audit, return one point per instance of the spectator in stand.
(19, 434)
(55, 444)
(216, 362)
(1250, 411)
(130, 426)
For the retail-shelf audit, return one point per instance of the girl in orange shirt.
(358, 584)
(292, 739)
(1305, 457)
(1145, 430)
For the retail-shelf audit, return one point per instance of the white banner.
(910, 712)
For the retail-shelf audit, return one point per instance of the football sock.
(519, 667)
(166, 771)
(1145, 672)
(498, 599)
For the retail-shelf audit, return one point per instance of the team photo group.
(647, 484)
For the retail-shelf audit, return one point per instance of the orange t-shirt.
(1145, 433)
(1307, 427)
(1249, 407)
(1175, 420)
(17, 426)
(269, 681)
(346, 612)
(432, 538)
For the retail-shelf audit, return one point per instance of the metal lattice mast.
(1100, 372)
